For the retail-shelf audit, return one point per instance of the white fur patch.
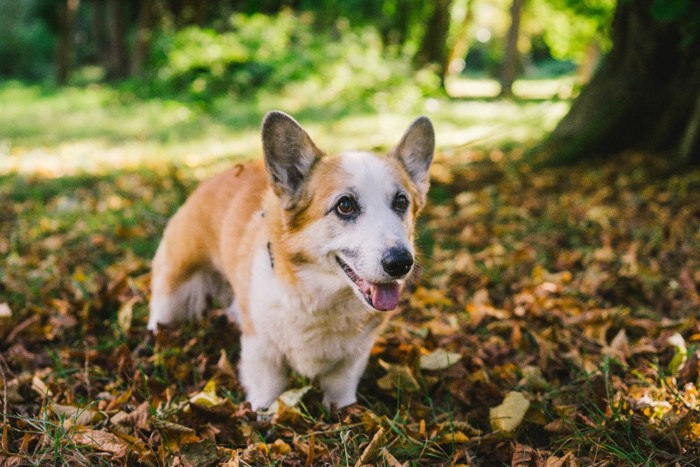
(379, 227)
(190, 299)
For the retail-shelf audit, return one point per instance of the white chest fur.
(318, 328)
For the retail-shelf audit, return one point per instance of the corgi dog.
(308, 252)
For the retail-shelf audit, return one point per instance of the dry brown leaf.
(390, 459)
(372, 449)
(101, 441)
(77, 416)
(398, 376)
(224, 365)
(126, 313)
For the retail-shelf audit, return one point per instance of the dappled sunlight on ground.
(97, 129)
(524, 89)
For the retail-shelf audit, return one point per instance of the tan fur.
(270, 236)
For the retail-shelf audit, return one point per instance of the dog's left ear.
(415, 152)
(290, 154)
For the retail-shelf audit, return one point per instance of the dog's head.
(350, 217)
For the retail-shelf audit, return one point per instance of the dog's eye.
(346, 206)
(400, 203)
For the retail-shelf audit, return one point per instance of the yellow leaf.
(207, 397)
(680, 354)
(509, 415)
(289, 398)
(452, 438)
(280, 447)
(126, 314)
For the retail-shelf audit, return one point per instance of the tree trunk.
(99, 32)
(144, 33)
(433, 48)
(64, 53)
(645, 95)
(511, 60)
(689, 150)
(117, 61)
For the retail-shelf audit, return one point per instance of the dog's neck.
(276, 246)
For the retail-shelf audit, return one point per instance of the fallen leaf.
(508, 416)
(289, 398)
(525, 456)
(40, 387)
(398, 376)
(567, 460)
(207, 397)
(372, 449)
(126, 313)
(439, 359)
(390, 460)
(172, 427)
(101, 441)
(202, 453)
(77, 416)
(680, 354)
(533, 379)
(224, 365)
(5, 311)
(454, 437)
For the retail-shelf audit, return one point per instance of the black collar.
(269, 252)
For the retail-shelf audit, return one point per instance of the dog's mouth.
(380, 296)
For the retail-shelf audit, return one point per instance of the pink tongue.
(385, 297)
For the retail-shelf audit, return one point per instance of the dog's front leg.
(340, 384)
(262, 371)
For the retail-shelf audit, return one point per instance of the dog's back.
(188, 267)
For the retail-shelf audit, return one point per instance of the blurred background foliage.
(630, 64)
(202, 49)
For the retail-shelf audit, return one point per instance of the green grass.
(62, 131)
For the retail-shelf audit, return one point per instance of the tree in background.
(433, 45)
(646, 94)
(65, 52)
(573, 30)
(511, 60)
(27, 49)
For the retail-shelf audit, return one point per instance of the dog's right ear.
(290, 154)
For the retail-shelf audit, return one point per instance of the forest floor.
(555, 322)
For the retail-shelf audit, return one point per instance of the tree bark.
(64, 53)
(645, 95)
(511, 60)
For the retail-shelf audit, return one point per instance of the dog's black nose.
(397, 262)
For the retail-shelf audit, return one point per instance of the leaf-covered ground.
(555, 322)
